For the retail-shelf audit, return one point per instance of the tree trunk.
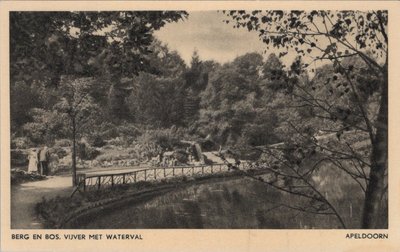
(376, 188)
(73, 152)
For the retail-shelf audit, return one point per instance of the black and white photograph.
(199, 119)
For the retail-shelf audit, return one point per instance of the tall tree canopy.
(83, 42)
(335, 36)
(108, 45)
(54, 55)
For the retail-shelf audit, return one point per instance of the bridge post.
(192, 170)
(164, 173)
(211, 169)
(84, 183)
(112, 180)
(155, 173)
(145, 175)
(134, 177)
(98, 182)
(173, 171)
(123, 178)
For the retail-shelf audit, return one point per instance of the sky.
(206, 32)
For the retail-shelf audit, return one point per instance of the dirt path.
(25, 196)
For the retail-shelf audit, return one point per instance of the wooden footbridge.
(107, 179)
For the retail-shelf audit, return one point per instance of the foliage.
(21, 143)
(166, 139)
(157, 100)
(102, 76)
(61, 152)
(238, 102)
(22, 99)
(82, 42)
(86, 152)
(45, 126)
(336, 36)
(62, 143)
(20, 176)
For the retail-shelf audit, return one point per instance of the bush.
(19, 158)
(118, 141)
(181, 156)
(97, 141)
(53, 162)
(86, 152)
(62, 143)
(113, 157)
(165, 138)
(110, 131)
(59, 151)
(20, 176)
(21, 143)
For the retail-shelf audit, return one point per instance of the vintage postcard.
(199, 126)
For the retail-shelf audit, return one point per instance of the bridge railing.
(100, 181)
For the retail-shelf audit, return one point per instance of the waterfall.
(199, 153)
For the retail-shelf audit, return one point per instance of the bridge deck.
(109, 178)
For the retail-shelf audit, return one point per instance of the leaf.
(264, 19)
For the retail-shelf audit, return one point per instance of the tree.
(334, 36)
(20, 104)
(77, 103)
(114, 45)
(229, 100)
(275, 76)
(47, 45)
(158, 94)
(196, 80)
(82, 43)
(45, 127)
(157, 101)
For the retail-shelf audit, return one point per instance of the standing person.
(43, 159)
(33, 161)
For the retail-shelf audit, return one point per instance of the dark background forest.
(102, 79)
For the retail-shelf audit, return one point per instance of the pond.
(236, 203)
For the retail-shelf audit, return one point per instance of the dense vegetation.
(100, 78)
(247, 101)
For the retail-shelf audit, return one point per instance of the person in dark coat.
(44, 160)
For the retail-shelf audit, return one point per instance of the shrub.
(20, 176)
(86, 152)
(21, 143)
(19, 158)
(110, 131)
(118, 141)
(62, 143)
(53, 162)
(59, 151)
(181, 156)
(97, 141)
(165, 138)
